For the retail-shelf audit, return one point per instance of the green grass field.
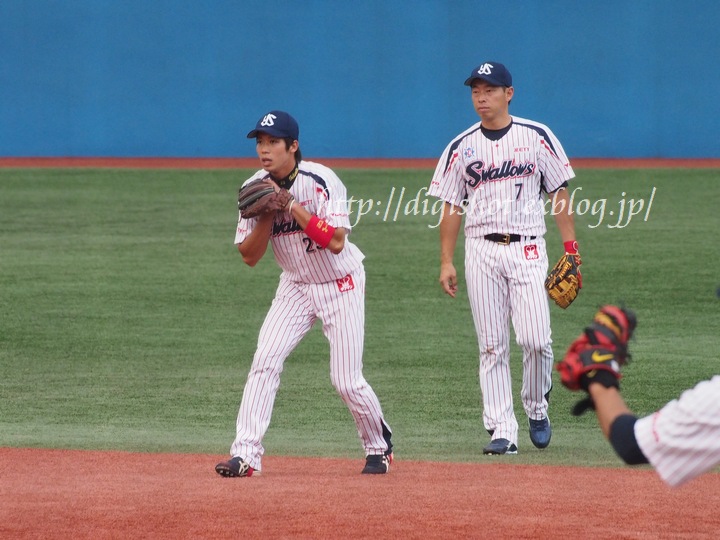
(128, 320)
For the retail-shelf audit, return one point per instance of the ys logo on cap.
(485, 69)
(268, 120)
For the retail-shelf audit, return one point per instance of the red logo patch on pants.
(531, 252)
(345, 284)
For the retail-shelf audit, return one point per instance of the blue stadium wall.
(181, 78)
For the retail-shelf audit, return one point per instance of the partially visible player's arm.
(449, 230)
(609, 404)
(320, 231)
(562, 214)
(617, 423)
(682, 439)
(255, 245)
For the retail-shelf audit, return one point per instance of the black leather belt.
(505, 239)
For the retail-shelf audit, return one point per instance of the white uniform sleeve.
(448, 182)
(553, 162)
(332, 202)
(244, 228)
(682, 440)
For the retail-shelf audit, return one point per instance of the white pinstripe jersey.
(501, 175)
(319, 190)
(682, 440)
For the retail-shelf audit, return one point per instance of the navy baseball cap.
(278, 124)
(494, 73)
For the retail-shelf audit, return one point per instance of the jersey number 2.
(310, 246)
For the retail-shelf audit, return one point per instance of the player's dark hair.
(288, 144)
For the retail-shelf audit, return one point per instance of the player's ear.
(509, 92)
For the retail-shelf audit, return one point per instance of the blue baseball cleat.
(540, 432)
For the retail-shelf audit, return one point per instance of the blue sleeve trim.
(319, 180)
(622, 438)
(542, 132)
(454, 145)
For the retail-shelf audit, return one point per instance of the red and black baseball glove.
(598, 353)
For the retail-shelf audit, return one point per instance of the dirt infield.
(350, 163)
(87, 494)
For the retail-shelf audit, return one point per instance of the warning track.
(340, 163)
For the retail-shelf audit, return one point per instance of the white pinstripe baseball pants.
(293, 312)
(506, 282)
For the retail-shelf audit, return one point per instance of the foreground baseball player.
(495, 173)
(322, 278)
(681, 440)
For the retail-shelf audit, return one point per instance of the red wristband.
(319, 231)
(571, 247)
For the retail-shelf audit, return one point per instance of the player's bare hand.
(448, 279)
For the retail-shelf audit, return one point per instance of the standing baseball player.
(681, 440)
(495, 173)
(322, 278)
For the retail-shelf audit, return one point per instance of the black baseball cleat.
(234, 468)
(500, 447)
(540, 432)
(378, 464)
